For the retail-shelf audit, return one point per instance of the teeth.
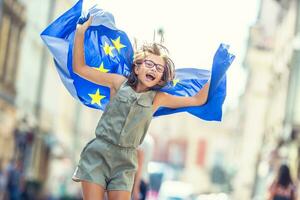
(149, 76)
(152, 75)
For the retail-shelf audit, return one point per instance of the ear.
(161, 82)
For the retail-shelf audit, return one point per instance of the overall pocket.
(86, 146)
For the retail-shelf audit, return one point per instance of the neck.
(141, 88)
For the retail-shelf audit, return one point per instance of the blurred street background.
(43, 129)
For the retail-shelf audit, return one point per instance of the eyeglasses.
(150, 64)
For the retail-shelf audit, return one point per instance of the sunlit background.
(43, 129)
(204, 26)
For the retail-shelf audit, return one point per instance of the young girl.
(109, 161)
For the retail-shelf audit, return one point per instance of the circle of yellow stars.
(117, 45)
(108, 50)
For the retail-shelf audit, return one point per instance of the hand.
(84, 23)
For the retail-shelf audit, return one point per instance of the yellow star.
(96, 98)
(175, 81)
(118, 45)
(108, 49)
(101, 68)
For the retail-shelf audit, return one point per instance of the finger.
(94, 10)
(83, 19)
(89, 21)
(88, 16)
(80, 21)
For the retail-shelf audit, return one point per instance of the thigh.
(119, 195)
(92, 191)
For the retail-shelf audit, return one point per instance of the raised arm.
(163, 99)
(80, 68)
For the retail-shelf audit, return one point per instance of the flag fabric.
(109, 50)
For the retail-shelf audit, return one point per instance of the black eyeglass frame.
(150, 64)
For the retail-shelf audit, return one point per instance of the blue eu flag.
(109, 50)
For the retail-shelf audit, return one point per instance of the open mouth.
(150, 77)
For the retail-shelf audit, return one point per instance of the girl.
(283, 187)
(109, 161)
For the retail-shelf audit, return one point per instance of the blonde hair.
(158, 50)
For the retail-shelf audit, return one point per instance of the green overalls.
(110, 159)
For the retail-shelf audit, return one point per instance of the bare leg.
(119, 195)
(92, 191)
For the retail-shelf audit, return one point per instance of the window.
(201, 152)
(4, 31)
(11, 25)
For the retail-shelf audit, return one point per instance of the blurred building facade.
(203, 152)
(12, 21)
(265, 130)
(40, 123)
(38, 115)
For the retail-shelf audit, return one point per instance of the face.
(150, 71)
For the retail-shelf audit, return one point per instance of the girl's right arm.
(113, 81)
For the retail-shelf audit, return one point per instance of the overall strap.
(123, 84)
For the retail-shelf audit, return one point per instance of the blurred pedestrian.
(3, 181)
(282, 188)
(15, 184)
(141, 182)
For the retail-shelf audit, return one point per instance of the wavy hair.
(284, 177)
(155, 49)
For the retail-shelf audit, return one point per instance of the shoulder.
(164, 98)
(153, 93)
(118, 84)
(158, 95)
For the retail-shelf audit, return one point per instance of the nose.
(153, 68)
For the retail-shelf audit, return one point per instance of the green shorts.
(108, 165)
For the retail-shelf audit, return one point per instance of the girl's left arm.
(163, 99)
